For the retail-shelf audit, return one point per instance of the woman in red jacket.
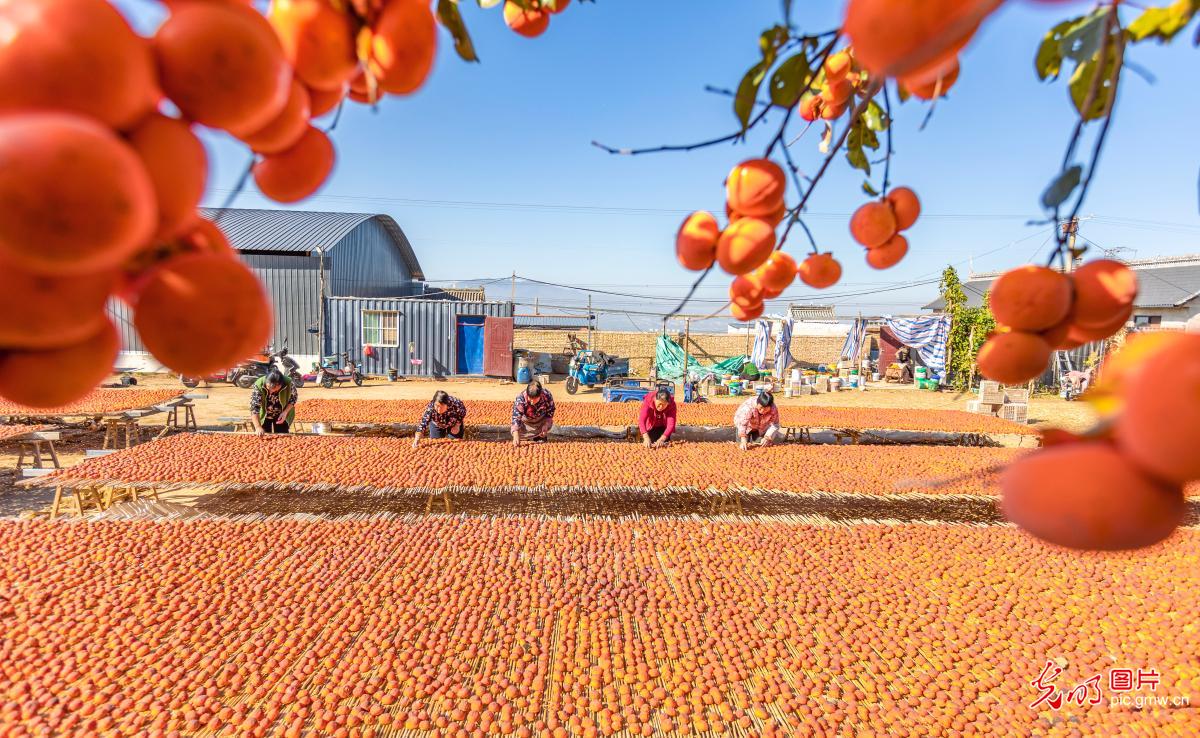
(656, 421)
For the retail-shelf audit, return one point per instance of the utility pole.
(590, 318)
(513, 293)
(1071, 231)
(687, 339)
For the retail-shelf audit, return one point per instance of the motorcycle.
(248, 372)
(331, 372)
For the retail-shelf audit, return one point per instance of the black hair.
(766, 399)
(662, 394)
(440, 397)
(534, 388)
(274, 378)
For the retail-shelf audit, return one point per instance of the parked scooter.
(250, 370)
(331, 371)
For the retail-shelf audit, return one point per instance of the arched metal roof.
(302, 231)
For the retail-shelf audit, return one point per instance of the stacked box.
(1016, 412)
(991, 396)
(821, 385)
(1016, 396)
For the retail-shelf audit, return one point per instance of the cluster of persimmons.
(104, 171)
(531, 626)
(1122, 484)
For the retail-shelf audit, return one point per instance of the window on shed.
(380, 328)
(1147, 320)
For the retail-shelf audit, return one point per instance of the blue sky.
(489, 169)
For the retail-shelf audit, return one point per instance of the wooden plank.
(195, 395)
(46, 436)
(28, 472)
(93, 453)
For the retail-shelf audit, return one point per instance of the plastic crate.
(1018, 396)
(1018, 413)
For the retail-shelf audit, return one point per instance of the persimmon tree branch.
(737, 135)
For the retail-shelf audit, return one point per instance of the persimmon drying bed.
(98, 402)
(8, 432)
(469, 626)
(494, 412)
(313, 463)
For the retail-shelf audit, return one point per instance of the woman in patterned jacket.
(443, 416)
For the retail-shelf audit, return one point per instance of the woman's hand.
(416, 440)
(516, 439)
(743, 444)
(646, 440)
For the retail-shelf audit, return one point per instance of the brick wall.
(639, 348)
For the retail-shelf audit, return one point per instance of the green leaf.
(448, 15)
(1163, 24)
(1082, 41)
(747, 94)
(876, 119)
(1084, 76)
(1049, 56)
(485, 4)
(867, 188)
(1062, 187)
(854, 146)
(790, 80)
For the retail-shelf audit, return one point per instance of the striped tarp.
(762, 339)
(854, 340)
(927, 335)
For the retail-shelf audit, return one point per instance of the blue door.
(470, 344)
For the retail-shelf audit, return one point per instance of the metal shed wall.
(366, 263)
(429, 325)
(294, 284)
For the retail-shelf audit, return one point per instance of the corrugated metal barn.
(338, 282)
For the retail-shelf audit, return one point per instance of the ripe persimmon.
(746, 313)
(1013, 357)
(1103, 289)
(223, 66)
(778, 272)
(744, 293)
(1159, 424)
(318, 41)
(1080, 334)
(873, 224)
(889, 254)
(48, 378)
(820, 271)
(74, 198)
(528, 23)
(696, 241)
(76, 56)
(1031, 298)
(42, 311)
(745, 245)
(325, 101)
(901, 38)
(199, 312)
(927, 87)
(810, 107)
(836, 92)
(832, 111)
(1089, 495)
(177, 163)
(287, 128)
(401, 46)
(755, 187)
(838, 65)
(298, 172)
(906, 207)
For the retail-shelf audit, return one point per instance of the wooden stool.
(113, 428)
(76, 500)
(113, 495)
(189, 417)
(447, 500)
(34, 449)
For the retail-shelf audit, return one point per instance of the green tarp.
(669, 357)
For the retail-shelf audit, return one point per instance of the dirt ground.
(228, 401)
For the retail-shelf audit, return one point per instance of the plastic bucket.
(523, 374)
(921, 373)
